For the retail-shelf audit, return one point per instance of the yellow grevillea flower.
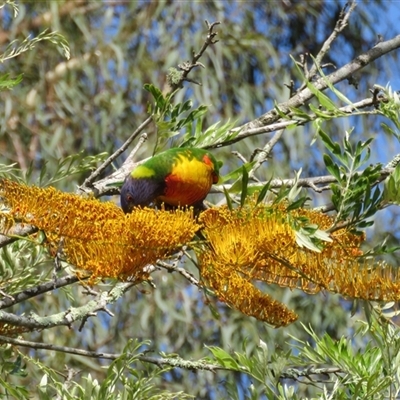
(236, 242)
(238, 292)
(98, 237)
(252, 243)
(259, 243)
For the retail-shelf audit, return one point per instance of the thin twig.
(160, 362)
(6, 295)
(37, 290)
(88, 183)
(239, 156)
(394, 162)
(187, 66)
(265, 152)
(71, 373)
(341, 74)
(182, 271)
(290, 87)
(139, 144)
(73, 314)
(85, 319)
(341, 24)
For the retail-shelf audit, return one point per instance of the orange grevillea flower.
(258, 243)
(97, 237)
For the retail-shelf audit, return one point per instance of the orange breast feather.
(189, 182)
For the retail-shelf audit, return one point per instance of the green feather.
(159, 166)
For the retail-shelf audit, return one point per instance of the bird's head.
(138, 192)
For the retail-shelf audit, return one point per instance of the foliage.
(121, 381)
(364, 372)
(69, 113)
(15, 49)
(188, 126)
(352, 196)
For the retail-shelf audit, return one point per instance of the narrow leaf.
(228, 199)
(263, 192)
(245, 182)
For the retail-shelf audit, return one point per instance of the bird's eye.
(129, 198)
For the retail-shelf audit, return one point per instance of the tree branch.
(265, 152)
(15, 233)
(282, 124)
(187, 66)
(39, 289)
(341, 23)
(73, 314)
(312, 183)
(175, 362)
(341, 74)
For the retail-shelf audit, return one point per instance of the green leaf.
(295, 190)
(157, 95)
(297, 203)
(304, 240)
(193, 116)
(279, 111)
(281, 195)
(224, 358)
(332, 167)
(7, 83)
(71, 165)
(237, 173)
(228, 199)
(391, 188)
(263, 192)
(333, 147)
(321, 113)
(300, 114)
(324, 100)
(245, 182)
(340, 95)
(217, 134)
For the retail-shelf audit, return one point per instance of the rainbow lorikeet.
(176, 177)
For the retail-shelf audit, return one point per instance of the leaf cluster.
(16, 48)
(12, 366)
(355, 196)
(389, 106)
(337, 368)
(125, 378)
(184, 124)
(262, 367)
